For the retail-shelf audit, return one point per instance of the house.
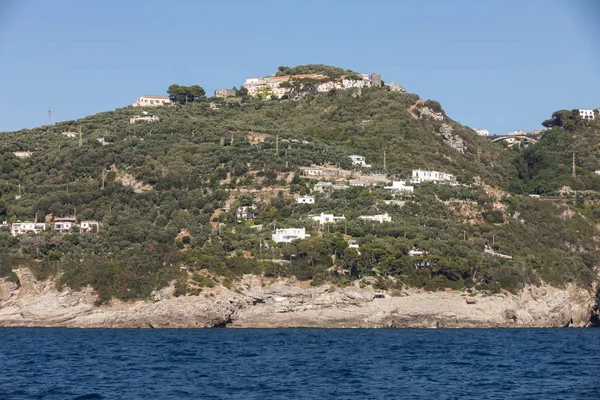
(586, 114)
(400, 186)
(22, 228)
(395, 202)
(353, 244)
(316, 170)
(70, 134)
(145, 118)
(4, 225)
(597, 172)
(358, 160)
(487, 249)
(416, 253)
(244, 213)
(305, 200)
(288, 235)
(369, 180)
(151, 101)
(326, 218)
(395, 88)
(22, 154)
(322, 186)
(225, 93)
(420, 176)
(482, 132)
(64, 225)
(381, 218)
(103, 141)
(89, 227)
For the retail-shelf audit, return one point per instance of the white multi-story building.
(64, 225)
(288, 235)
(421, 175)
(151, 101)
(482, 132)
(358, 160)
(400, 186)
(305, 200)
(326, 218)
(587, 114)
(381, 218)
(22, 228)
(89, 227)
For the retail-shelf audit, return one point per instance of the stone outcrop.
(428, 112)
(454, 141)
(260, 302)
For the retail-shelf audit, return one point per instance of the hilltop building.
(482, 132)
(288, 235)
(305, 200)
(395, 88)
(587, 114)
(151, 101)
(22, 154)
(271, 84)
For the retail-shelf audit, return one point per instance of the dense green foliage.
(194, 167)
(313, 69)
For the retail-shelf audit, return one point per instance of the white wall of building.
(288, 235)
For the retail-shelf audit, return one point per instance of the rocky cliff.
(260, 302)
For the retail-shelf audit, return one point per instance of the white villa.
(64, 225)
(587, 114)
(381, 218)
(400, 186)
(326, 218)
(421, 175)
(482, 132)
(89, 227)
(22, 228)
(288, 235)
(359, 160)
(145, 118)
(22, 154)
(305, 200)
(151, 101)
(70, 134)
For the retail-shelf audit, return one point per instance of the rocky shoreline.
(265, 303)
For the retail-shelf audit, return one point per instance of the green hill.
(166, 195)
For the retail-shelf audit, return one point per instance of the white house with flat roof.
(22, 154)
(587, 114)
(288, 235)
(89, 227)
(64, 225)
(381, 218)
(323, 218)
(22, 228)
(400, 186)
(305, 200)
(143, 118)
(421, 175)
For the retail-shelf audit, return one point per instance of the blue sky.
(501, 65)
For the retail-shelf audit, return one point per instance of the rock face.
(267, 303)
(454, 141)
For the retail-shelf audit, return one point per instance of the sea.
(57, 363)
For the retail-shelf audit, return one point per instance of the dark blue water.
(299, 364)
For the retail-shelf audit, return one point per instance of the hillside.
(166, 195)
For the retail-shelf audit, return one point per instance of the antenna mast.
(574, 173)
(80, 138)
(49, 117)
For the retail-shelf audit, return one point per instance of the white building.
(597, 172)
(416, 253)
(400, 186)
(358, 160)
(151, 101)
(326, 218)
(70, 134)
(395, 88)
(381, 218)
(22, 228)
(89, 227)
(145, 118)
(305, 200)
(482, 132)
(22, 154)
(421, 175)
(288, 235)
(64, 225)
(586, 114)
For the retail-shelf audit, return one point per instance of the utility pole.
(277, 145)
(49, 117)
(574, 173)
(80, 138)
(384, 164)
(103, 177)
